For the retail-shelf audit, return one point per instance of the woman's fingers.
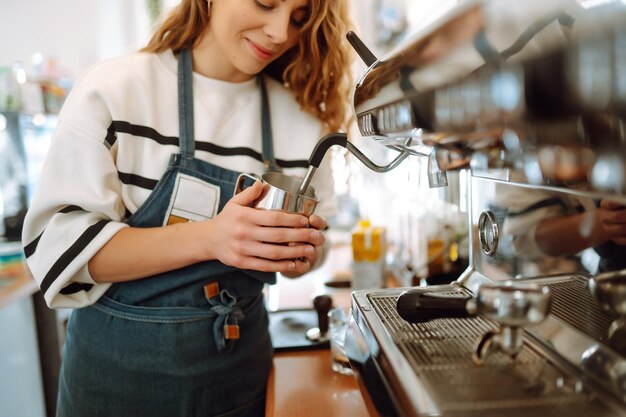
(275, 218)
(277, 251)
(301, 267)
(248, 195)
(286, 235)
(317, 222)
(290, 267)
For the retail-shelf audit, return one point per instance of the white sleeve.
(77, 206)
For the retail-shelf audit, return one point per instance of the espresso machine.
(529, 98)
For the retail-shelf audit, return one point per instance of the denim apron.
(189, 342)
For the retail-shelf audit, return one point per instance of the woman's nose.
(277, 27)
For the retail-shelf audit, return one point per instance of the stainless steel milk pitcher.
(280, 192)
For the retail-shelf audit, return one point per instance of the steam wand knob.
(366, 55)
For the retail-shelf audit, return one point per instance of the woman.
(135, 219)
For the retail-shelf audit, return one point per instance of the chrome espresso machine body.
(530, 98)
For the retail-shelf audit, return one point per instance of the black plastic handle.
(366, 55)
(418, 306)
(322, 304)
(324, 144)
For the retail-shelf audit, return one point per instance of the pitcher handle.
(241, 178)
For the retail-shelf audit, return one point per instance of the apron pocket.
(166, 314)
(152, 314)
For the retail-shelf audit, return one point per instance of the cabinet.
(29, 331)
(21, 379)
(30, 346)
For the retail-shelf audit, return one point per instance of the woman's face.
(244, 36)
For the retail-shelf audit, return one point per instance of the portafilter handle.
(508, 303)
(419, 305)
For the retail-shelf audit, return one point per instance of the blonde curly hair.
(317, 69)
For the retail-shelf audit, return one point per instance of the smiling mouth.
(260, 52)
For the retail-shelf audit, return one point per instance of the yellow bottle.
(368, 253)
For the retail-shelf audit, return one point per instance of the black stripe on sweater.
(139, 181)
(296, 163)
(243, 151)
(32, 246)
(222, 151)
(111, 136)
(150, 133)
(75, 287)
(144, 132)
(70, 209)
(69, 255)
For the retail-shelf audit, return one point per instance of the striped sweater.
(114, 138)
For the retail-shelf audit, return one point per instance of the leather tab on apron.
(212, 289)
(231, 331)
(226, 325)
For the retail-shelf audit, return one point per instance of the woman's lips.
(259, 51)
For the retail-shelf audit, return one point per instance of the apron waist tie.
(226, 324)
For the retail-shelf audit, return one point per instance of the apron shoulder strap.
(185, 104)
(186, 115)
(266, 129)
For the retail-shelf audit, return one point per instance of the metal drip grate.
(440, 353)
(572, 303)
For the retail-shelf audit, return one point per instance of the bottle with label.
(368, 253)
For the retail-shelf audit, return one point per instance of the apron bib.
(164, 345)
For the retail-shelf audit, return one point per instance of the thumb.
(248, 195)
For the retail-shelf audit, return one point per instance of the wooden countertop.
(302, 383)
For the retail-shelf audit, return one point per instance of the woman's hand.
(612, 221)
(262, 240)
(305, 264)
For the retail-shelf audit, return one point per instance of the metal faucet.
(341, 139)
(436, 176)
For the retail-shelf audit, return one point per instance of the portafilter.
(512, 305)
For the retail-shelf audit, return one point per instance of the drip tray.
(440, 353)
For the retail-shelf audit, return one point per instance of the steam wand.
(341, 139)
